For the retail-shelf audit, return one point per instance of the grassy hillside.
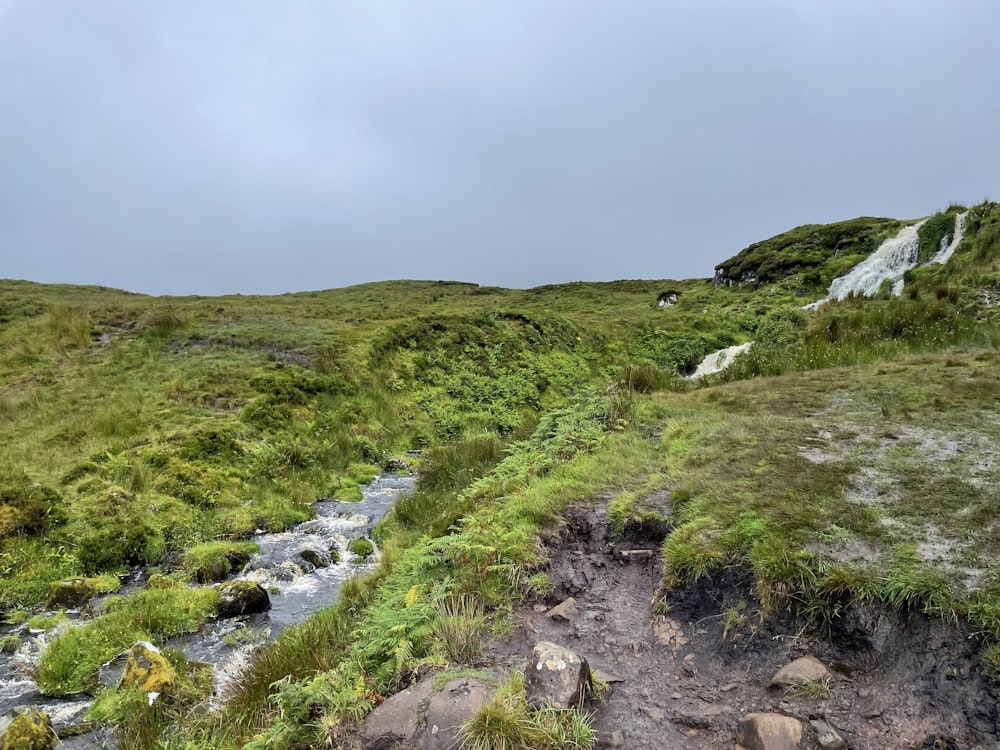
(847, 454)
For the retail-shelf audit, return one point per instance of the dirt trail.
(898, 682)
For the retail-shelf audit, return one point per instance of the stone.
(827, 737)
(27, 729)
(769, 732)
(397, 720)
(397, 466)
(556, 676)
(564, 611)
(314, 558)
(669, 632)
(72, 593)
(700, 715)
(242, 597)
(803, 669)
(448, 710)
(148, 670)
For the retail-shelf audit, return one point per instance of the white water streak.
(891, 260)
(947, 250)
(718, 361)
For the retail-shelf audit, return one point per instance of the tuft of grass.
(461, 627)
(818, 689)
(506, 723)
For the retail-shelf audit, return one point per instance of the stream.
(298, 584)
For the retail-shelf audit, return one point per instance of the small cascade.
(949, 245)
(718, 361)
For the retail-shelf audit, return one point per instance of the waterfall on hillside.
(891, 260)
(948, 246)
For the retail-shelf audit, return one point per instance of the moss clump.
(72, 593)
(362, 547)
(157, 581)
(30, 730)
(9, 644)
(211, 562)
(69, 665)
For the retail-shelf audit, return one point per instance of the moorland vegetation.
(162, 433)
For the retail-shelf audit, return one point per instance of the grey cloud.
(258, 147)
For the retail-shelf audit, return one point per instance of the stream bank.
(302, 569)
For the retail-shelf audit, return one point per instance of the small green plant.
(506, 723)
(244, 636)
(733, 621)
(45, 622)
(461, 626)
(818, 689)
(991, 661)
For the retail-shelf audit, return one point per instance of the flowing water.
(298, 586)
(891, 261)
(943, 255)
(718, 361)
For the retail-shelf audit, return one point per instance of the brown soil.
(899, 681)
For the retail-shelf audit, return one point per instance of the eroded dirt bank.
(683, 679)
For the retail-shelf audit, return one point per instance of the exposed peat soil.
(683, 679)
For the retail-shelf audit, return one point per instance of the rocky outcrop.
(242, 597)
(827, 737)
(27, 729)
(556, 676)
(564, 611)
(449, 710)
(769, 732)
(317, 559)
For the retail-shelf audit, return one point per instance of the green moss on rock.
(29, 730)
(72, 593)
(362, 547)
(242, 597)
(148, 670)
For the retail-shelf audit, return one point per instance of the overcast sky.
(209, 147)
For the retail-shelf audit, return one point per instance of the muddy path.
(683, 679)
